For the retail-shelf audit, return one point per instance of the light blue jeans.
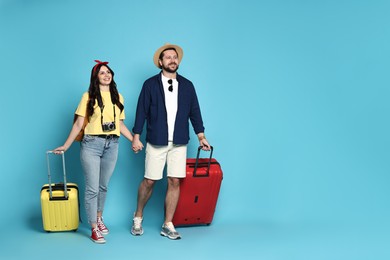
(98, 158)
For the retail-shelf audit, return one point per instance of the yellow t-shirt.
(94, 126)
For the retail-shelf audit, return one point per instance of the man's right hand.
(137, 144)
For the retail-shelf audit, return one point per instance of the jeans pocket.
(88, 138)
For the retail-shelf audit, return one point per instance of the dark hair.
(94, 90)
(167, 49)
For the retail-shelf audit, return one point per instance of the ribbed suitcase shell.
(59, 213)
(198, 193)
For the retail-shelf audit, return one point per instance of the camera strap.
(101, 113)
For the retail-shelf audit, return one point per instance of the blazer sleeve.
(195, 114)
(142, 110)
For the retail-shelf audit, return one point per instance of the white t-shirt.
(170, 104)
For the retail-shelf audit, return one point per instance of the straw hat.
(178, 49)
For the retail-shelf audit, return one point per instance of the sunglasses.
(170, 88)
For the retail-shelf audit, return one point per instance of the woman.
(103, 108)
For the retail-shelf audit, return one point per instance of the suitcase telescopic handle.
(208, 164)
(49, 174)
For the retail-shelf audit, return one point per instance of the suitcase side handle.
(208, 164)
(49, 174)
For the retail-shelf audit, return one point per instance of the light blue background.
(295, 99)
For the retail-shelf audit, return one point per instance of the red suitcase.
(198, 191)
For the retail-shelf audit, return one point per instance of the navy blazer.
(151, 107)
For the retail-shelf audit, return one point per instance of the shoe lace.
(101, 225)
(137, 222)
(170, 226)
(98, 234)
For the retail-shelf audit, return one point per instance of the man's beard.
(166, 68)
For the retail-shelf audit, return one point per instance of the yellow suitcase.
(59, 203)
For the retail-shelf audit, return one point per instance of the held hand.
(137, 145)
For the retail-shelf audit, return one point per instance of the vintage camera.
(108, 126)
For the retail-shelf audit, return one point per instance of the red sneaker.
(97, 236)
(100, 225)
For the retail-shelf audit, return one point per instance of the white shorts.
(157, 156)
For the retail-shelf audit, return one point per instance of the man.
(167, 102)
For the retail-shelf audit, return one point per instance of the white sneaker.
(137, 229)
(168, 230)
